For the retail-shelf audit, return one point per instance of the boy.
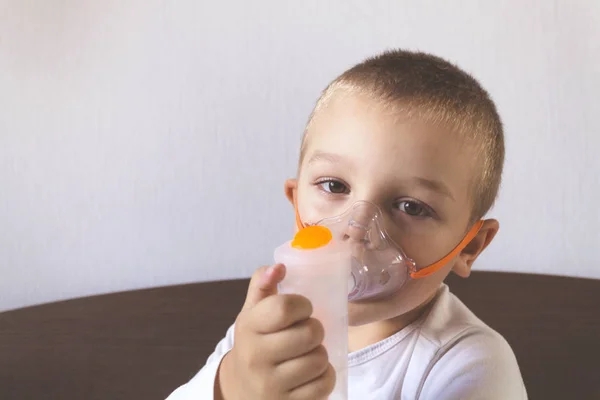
(422, 140)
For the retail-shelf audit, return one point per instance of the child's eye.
(413, 208)
(333, 186)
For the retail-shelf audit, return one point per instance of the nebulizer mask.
(378, 266)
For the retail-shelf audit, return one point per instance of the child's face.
(420, 178)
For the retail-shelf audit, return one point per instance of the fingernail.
(270, 270)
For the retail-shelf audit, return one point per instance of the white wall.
(145, 143)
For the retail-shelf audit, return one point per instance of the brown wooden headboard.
(143, 344)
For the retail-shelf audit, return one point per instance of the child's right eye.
(333, 186)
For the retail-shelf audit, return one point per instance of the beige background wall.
(145, 143)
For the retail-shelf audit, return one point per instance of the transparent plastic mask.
(379, 266)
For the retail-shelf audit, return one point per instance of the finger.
(319, 388)
(263, 284)
(279, 312)
(301, 370)
(295, 341)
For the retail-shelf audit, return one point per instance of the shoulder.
(468, 358)
(450, 323)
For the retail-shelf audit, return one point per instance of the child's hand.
(277, 353)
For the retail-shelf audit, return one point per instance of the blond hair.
(428, 87)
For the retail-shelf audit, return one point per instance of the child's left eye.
(413, 208)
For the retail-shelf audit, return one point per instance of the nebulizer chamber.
(319, 269)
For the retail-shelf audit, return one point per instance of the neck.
(362, 336)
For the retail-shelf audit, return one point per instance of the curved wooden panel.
(143, 344)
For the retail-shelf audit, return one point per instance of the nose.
(357, 231)
(363, 224)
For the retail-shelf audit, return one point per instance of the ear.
(466, 258)
(291, 187)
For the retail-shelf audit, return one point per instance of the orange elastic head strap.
(299, 223)
(436, 266)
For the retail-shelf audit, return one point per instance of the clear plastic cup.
(321, 274)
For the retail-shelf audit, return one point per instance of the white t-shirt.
(448, 353)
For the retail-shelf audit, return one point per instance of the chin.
(409, 297)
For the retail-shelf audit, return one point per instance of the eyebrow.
(435, 186)
(327, 157)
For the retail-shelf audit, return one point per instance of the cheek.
(314, 205)
(430, 245)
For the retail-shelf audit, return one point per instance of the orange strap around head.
(439, 264)
(299, 223)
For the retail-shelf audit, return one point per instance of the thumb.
(264, 284)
